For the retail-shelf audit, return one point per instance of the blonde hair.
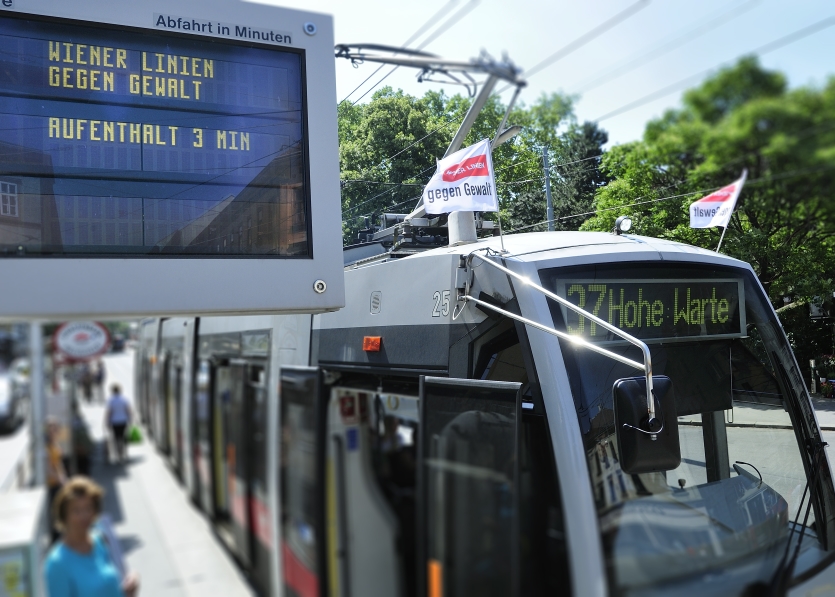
(76, 487)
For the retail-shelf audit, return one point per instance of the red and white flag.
(716, 208)
(464, 181)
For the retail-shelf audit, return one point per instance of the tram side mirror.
(637, 451)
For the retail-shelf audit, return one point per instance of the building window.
(8, 199)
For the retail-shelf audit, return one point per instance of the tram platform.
(165, 539)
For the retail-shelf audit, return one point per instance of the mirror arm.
(554, 332)
(646, 367)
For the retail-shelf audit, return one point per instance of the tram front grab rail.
(646, 366)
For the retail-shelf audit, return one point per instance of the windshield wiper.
(779, 585)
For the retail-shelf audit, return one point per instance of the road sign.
(81, 340)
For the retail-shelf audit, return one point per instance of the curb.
(756, 425)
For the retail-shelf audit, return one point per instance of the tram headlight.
(622, 224)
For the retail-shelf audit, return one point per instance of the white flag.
(464, 181)
(716, 208)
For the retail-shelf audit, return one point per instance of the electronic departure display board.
(656, 309)
(202, 141)
(151, 143)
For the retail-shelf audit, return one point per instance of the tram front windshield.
(711, 523)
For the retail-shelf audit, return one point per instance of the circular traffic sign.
(82, 340)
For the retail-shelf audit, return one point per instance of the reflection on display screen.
(126, 142)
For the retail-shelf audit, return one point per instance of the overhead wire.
(764, 49)
(582, 40)
(421, 30)
(345, 181)
(629, 11)
(590, 35)
(450, 21)
(685, 37)
(749, 182)
(778, 43)
(812, 130)
(398, 185)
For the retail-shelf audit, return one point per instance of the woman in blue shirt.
(80, 564)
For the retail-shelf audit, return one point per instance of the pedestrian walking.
(118, 417)
(81, 562)
(56, 474)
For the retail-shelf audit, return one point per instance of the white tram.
(475, 422)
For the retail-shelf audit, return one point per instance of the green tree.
(742, 118)
(388, 148)
(575, 157)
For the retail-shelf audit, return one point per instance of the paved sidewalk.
(166, 540)
(771, 417)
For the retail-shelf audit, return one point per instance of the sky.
(685, 40)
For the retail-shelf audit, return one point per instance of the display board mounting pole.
(38, 401)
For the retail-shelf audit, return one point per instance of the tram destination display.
(141, 142)
(656, 309)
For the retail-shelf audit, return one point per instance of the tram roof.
(582, 247)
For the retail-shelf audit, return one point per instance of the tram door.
(260, 524)
(174, 414)
(370, 486)
(221, 406)
(164, 412)
(468, 513)
(202, 433)
(369, 481)
(301, 474)
(246, 478)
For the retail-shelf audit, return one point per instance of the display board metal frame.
(117, 284)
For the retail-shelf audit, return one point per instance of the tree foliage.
(742, 118)
(388, 148)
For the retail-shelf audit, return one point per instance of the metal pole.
(742, 180)
(548, 199)
(455, 145)
(721, 238)
(36, 377)
(501, 236)
(814, 385)
(472, 114)
(506, 114)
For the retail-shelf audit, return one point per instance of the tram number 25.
(441, 299)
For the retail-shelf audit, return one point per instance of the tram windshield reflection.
(711, 514)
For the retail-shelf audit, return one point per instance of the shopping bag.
(134, 435)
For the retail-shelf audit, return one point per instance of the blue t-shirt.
(71, 574)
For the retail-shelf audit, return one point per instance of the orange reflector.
(372, 343)
(436, 579)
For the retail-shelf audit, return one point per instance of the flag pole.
(501, 236)
(742, 180)
(721, 238)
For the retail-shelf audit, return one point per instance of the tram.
(476, 421)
